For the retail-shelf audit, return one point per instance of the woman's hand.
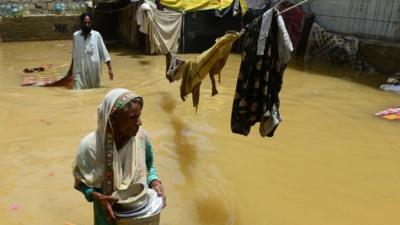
(106, 201)
(159, 188)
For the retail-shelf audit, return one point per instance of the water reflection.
(184, 147)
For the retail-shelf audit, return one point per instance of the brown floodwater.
(331, 162)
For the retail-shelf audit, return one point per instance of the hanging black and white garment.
(266, 50)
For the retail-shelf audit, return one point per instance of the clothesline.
(278, 3)
(266, 50)
(291, 7)
(279, 13)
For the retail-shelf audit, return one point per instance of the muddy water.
(330, 161)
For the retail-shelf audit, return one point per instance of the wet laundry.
(163, 27)
(37, 69)
(294, 22)
(389, 114)
(392, 85)
(47, 76)
(193, 71)
(266, 51)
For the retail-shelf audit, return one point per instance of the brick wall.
(34, 28)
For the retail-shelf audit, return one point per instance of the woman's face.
(127, 122)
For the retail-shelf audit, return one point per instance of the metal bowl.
(132, 199)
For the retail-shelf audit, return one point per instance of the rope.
(292, 7)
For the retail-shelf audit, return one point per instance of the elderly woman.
(117, 154)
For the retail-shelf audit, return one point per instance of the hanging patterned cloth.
(266, 51)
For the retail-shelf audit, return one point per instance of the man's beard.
(86, 30)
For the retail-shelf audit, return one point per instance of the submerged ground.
(330, 162)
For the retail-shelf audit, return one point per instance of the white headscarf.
(129, 163)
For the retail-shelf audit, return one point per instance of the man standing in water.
(118, 154)
(89, 51)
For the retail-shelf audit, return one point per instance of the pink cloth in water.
(389, 114)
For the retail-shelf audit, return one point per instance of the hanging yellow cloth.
(210, 62)
(198, 5)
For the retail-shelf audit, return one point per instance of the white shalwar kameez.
(88, 56)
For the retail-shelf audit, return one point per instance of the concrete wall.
(112, 24)
(383, 56)
(375, 22)
(375, 19)
(32, 28)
